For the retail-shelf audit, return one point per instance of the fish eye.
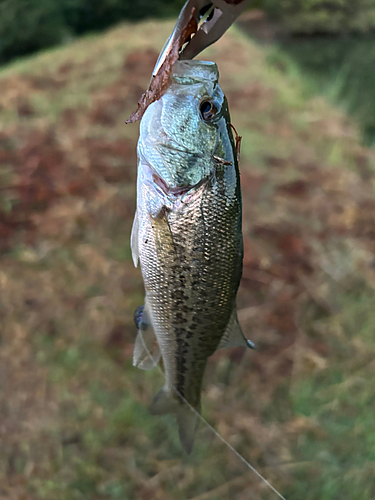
(207, 110)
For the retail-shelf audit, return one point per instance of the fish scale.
(187, 236)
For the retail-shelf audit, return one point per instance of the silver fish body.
(187, 236)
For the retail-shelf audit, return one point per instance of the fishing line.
(215, 432)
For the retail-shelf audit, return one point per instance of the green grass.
(340, 68)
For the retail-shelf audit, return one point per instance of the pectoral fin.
(165, 248)
(146, 353)
(134, 240)
(233, 336)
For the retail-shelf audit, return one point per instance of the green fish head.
(182, 131)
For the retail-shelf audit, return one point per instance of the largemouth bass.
(187, 236)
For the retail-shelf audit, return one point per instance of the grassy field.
(74, 419)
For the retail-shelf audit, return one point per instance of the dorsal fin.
(233, 335)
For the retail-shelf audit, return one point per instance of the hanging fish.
(187, 237)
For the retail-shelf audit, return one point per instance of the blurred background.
(74, 423)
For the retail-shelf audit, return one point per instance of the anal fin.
(146, 354)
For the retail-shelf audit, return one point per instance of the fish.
(187, 237)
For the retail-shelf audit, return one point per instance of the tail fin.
(188, 422)
(166, 402)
